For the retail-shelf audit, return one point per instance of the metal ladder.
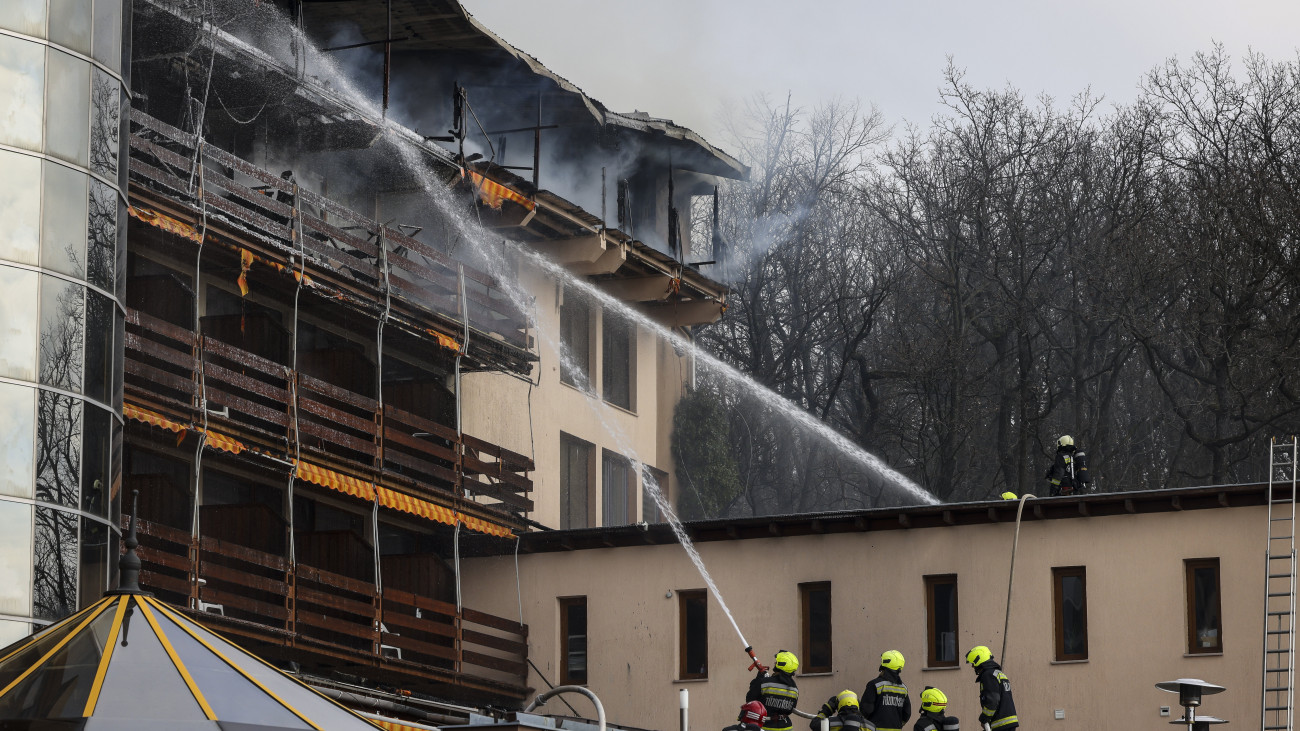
(1279, 584)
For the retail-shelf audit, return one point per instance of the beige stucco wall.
(1135, 596)
(496, 406)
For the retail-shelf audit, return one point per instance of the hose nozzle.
(756, 663)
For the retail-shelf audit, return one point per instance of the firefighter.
(841, 713)
(934, 704)
(1069, 471)
(997, 708)
(885, 701)
(752, 716)
(776, 690)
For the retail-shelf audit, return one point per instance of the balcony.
(326, 621)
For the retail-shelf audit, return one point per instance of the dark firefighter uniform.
(885, 701)
(936, 722)
(997, 708)
(779, 694)
(1069, 472)
(840, 717)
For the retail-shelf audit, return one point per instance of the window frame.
(566, 440)
(565, 677)
(931, 629)
(806, 591)
(608, 457)
(1190, 566)
(683, 597)
(1059, 573)
(650, 512)
(572, 305)
(621, 329)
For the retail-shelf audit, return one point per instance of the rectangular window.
(573, 641)
(1204, 622)
(618, 364)
(618, 488)
(815, 613)
(652, 480)
(576, 464)
(575, 341)
(1070, 600)
(694, 631)
(941, 620)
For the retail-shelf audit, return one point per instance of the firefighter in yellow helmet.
(1068, 474)
(934, 706)
(842, 714)
(997, 708)
(776, 690)
(885, 701)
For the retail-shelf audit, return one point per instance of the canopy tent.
(129, 661)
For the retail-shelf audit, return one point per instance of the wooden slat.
(337, 209)
(338, 581)
(329, 252)
(217, 572)
(311, 383)
(163, 558)
(156, 376)
(159, 531)
(179, 358)
(215, 179)
(419, 444)
(242, 553)
(156, 175)
(225, 158)
(247, 218)
(490, 620)
(214, 372)
(420, 465)
(497, 492)
(501, 453)
(243, 357)
(230, 600)
(222, 397)
(307, 595)
(419, 624)
(156, 580)
(425, 603)
(420, 646)
(495, 642)
(346, 237)
(513, 667)
(420, 423)
(332, 414)
(157, 125)
(160, 327)
(334, 624)
(337, 437)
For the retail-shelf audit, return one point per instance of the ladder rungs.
(1279, 614)
(1274, 520)
(1279, 556)
(1280, 593)
(1277, 651)
(1279, 576)
(1279, 632)
(1281, 687)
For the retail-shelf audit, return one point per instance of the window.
(618, 489)
(575, 341)
(694, 630)
(618, 345)
(815, 615)
(652, 480)
(573, 641)
(1070, 600)
(1204, 622)
(941, 620)
(576, 488)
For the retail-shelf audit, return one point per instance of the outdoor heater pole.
(684, 701)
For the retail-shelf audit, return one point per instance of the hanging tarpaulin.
(445, 341)
(245, 263)
(164, 222)
(493, 193)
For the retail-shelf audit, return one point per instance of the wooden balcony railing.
(255, 397)
(263, 596)
(337, 243)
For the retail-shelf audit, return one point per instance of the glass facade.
(62, 241)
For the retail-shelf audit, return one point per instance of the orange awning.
(164, 222)
(493, 193)
(325, 477)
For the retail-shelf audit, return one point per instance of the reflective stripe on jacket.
(885, 702)
(998, 708)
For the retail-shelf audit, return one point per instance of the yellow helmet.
(1065, 441)
(786, 662)
(979, 655)
(892, 659)
(1010, 496)
(847, 698)
(933, 699)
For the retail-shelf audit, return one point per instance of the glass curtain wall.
(63, 113)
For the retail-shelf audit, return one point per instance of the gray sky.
(687, 59)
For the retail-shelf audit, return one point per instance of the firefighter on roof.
(777, 691)
(1069, 472)
(997, 708)
(842, 714)
(885, 701)
(934, 705)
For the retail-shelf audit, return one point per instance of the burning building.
(291, 298)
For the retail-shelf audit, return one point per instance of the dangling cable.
(519, 596)
(455, 548)
(379, 391)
